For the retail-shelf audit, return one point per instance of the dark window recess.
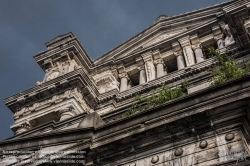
(205, 49)
(134, 79)
(171, 64)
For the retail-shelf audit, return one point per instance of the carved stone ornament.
(178, 152)
(203, 144)
(52, 75)
(229, 40)
(150, 70)
(23, 127)
(247, 26)
(229, 136)
(155, 159)
(106, 81)
(133, 164)
(189, 55)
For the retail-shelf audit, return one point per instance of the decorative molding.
(216, 30)
(176, 47)
(106, 81)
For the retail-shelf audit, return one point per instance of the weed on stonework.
(158, 96)
(227, 68)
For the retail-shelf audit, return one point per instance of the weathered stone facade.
(80, 103)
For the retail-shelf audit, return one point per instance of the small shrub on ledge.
(227, 68)
(158, 96)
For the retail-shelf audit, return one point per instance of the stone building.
(83, 106)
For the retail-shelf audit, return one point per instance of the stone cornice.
(202, 101)
(78, 74)
(72, 45)
(232, 91)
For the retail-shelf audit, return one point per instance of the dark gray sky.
(100, 25)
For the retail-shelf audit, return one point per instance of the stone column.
(66, 113)
(195, 41)
(198, 54)
(180, 60)
(143, 77)
(124, 82)
(159, 68)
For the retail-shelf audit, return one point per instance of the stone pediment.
(59, 39)
(157, 33)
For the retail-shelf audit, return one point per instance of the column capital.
(196, 46)
(178, 53)
(123, 75)
(141, 67)
(158, 61)
(67, 109)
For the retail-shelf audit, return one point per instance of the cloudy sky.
(100, 25)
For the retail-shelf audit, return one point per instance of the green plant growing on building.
(227, 67)
(158, 96)
(131, 111)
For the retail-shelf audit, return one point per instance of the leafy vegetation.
(131, 111)
(227, 68)
(158, 96)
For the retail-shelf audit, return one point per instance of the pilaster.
(187, 50)
(149, 65)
